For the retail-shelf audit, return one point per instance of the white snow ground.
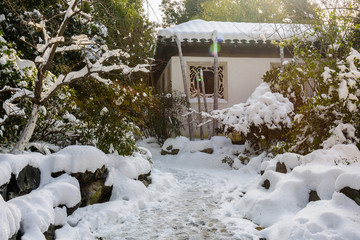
(193, 196)
(187, 200)
(188, 209)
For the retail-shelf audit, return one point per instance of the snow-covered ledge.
(76, 176)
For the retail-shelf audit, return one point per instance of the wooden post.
(216, 79)
(199, 105)
(205, 102)
(186, 90)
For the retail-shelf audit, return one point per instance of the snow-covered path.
(186, 214)
(192, 196)
(191, 208)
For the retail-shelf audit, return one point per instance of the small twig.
(24, 40)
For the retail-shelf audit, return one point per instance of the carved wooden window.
(208, 72)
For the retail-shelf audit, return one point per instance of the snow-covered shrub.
(330, 114)
(16, 76)
(261, 120)
(322, 82)
(333, 117)
(228, 160)
(117, 138)
(111, 115)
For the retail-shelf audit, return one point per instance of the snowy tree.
(97, 59)
(322, 82)
(128, 98)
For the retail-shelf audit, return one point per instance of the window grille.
(208, 72)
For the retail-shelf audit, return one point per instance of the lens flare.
(214, 50)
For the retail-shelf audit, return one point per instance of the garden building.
(245, 52)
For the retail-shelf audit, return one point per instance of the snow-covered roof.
(200, 29)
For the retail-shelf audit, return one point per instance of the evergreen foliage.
(85, 111)
(323, 84)
(275, 11)
(12, 77)
(163, 116)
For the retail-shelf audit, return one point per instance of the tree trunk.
(186, 90)
(28, 131)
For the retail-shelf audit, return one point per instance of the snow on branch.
(71, 10)
(42, 47)
(100, 79)
(262, 108)
(204, 123)
(48, 50)
(47, 84)
(19, 93)
(93, 70)
(2, 120)
(85, 15)
(12, 109)
(80, 42)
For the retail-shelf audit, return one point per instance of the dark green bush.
(163, 117)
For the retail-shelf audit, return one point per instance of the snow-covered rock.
(221, 142)
(326, 219)
(37, 207)
(10, 217)
(128, 166)
(72, 177)
(174, 145)
(13, 164)
(205, 146)
(74, 159)
(281, 202)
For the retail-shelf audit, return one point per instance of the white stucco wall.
(164, 83)
(243, 75)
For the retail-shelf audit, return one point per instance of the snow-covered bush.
(112, 114)
(322, 82)
(261, 120)
(163, 116)
(331, 116)
(15, 78)
(58, 123)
